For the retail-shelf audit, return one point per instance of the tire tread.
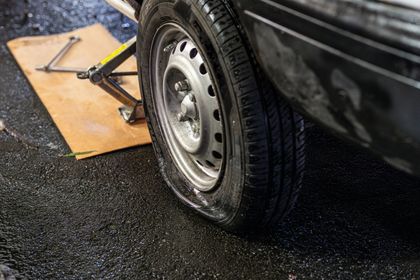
(276, 148)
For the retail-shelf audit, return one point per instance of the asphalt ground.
(112, 217)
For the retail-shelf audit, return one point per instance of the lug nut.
(195, 128)
(182, 86)
(170, 47)
(181, 117)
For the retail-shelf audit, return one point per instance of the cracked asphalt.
(112, 217)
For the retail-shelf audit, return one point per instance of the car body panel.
(351, 66)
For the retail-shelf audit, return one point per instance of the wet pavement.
(112, 217)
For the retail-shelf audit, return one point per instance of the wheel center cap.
(188, 107)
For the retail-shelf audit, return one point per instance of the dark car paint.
(351, 66)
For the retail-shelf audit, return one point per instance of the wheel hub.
(188, 108)
(190, 114)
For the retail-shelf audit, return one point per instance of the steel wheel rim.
(187, 107)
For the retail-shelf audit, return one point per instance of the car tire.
(226, 144)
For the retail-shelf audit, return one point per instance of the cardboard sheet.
(86, 116)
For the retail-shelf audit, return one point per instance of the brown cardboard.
(86, 116)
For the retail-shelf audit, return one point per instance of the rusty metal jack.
(103, 75)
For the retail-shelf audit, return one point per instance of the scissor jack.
(103, 75)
